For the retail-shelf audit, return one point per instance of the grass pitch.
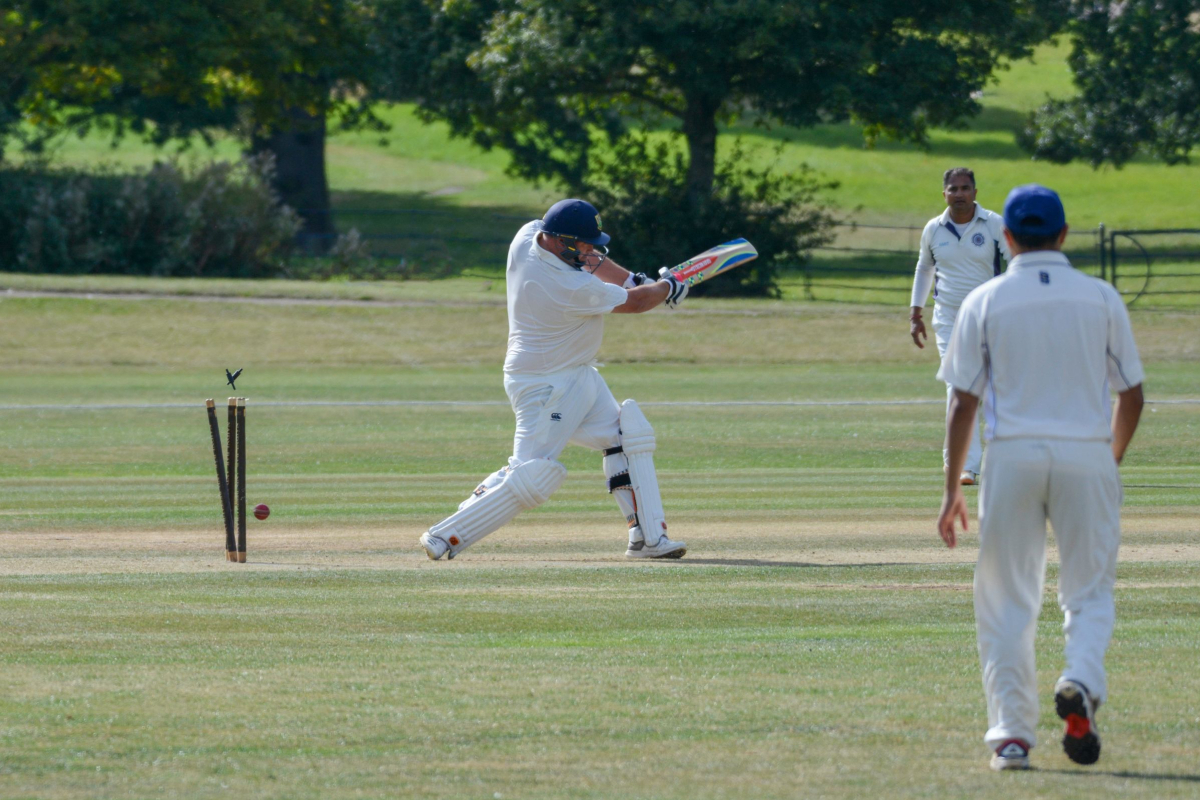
(817, 641)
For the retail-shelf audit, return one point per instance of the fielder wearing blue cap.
(561, 284)
(1043, 345)
(1034, 212)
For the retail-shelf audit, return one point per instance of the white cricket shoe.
(666, 548)
(1013, 754)
(968, 478)
(435, 548)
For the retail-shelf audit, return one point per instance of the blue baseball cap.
(1034, 210)
(577, 219)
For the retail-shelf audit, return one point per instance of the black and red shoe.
(1081, 742)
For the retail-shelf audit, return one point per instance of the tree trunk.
(300, 175)
(700, 130)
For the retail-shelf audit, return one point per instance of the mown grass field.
(817, 641)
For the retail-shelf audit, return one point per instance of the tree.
(540, 77)
(271, 70)
(1137, 66)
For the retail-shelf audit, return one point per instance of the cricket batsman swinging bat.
(714, 261)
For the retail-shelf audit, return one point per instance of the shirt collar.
(1039, 258)
(945, 218)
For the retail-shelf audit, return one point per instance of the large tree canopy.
(540, 77)
(1137, 66)
(171, 70)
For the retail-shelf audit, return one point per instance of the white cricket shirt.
(954, 259)
(1043, 345)
(555, 312)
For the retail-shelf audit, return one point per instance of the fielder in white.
(1043, 345)
(960, 249)
(560, 285)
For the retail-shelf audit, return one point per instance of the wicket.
(234, 477)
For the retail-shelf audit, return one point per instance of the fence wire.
(863, 262)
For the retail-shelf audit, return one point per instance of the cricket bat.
(714, 261)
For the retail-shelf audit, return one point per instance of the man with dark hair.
(1043, 345)
(960, 249)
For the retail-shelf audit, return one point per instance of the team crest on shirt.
(977, 240)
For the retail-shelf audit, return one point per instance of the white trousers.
(573, 406)
(943, 326)
(1076, 487)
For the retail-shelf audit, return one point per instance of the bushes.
(214, 220)
(640, 189)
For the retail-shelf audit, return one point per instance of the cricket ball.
(261, 511)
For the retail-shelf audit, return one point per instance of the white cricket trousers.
(943, 326)
(572, 406)
(1075, 486)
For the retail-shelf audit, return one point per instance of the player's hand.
(916, 329)
(677, 289)
(954, 507)
(637, 279)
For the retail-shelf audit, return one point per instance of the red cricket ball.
(261, 511)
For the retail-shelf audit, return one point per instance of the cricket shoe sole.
(435, 548)
(665, 548)
(1074, 705)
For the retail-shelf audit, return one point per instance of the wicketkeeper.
(561, 283)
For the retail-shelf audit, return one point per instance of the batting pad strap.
(619, 481)
(525, 486)
(612, 451)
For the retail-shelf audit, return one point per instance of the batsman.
(561, 283)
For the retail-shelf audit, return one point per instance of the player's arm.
(610, 271)
(645, 297)
(960, 426)
(1126, 414)
(1125, 373)
(965, 367)
(922, 284)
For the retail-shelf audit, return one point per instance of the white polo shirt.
(555, 311)
(1043, 345)
(954, 259)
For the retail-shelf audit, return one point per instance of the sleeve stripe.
(1120, 369)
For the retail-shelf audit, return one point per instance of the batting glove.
(635, 279)
(678, 289)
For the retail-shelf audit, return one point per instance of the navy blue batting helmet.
(575, 219)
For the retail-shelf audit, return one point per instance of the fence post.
(1103, 254)
(1112, 254)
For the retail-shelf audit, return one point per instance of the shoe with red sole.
(1081, 742)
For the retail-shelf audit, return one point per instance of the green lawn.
(816, 641)
(453, 207)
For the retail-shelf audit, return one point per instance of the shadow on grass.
(430, 236)
(1144, 776)
(758, 562)
(849, 136)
